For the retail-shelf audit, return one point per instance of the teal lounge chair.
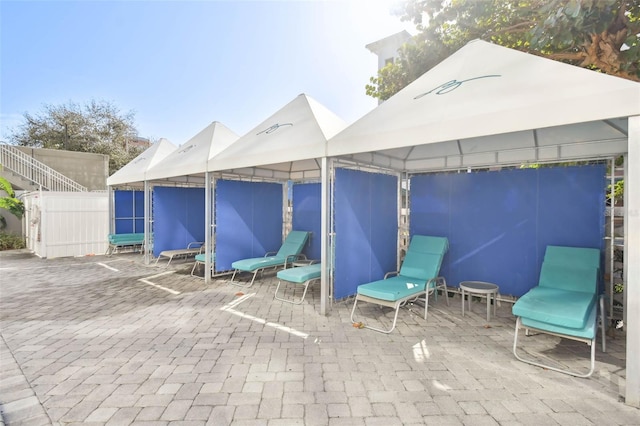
(193, 248)
(132, 241)
(417, 277)
(300, 276)
(565, 301)
(290, 250)
(201, 259)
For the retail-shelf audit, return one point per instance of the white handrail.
(16, 161)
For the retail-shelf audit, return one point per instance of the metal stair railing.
(32, 170)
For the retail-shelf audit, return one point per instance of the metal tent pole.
(208, 227)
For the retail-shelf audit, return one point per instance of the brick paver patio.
(108, 340)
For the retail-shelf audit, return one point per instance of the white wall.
(62, 224)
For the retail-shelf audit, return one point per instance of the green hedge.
(11, 241)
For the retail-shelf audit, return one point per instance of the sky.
(180, 65)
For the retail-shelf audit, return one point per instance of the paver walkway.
(108, 340)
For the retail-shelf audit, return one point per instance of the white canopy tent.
(187, 165)
(449, 117)
(288, 145)
(190, 160)
(133, 175)
(487, 106)
(162, 163)
(136, 170)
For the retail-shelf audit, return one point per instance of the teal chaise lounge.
(193, 248)
(201, 259)
(417, 277)
(565, 301)
(132, 241)
(290, 250)
(300, 276)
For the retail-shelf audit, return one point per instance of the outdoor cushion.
(424, 258)
(289, 251)
(202, 257)
(587, 332)
(124, 240)
(420, 266)
(569, 277)
(581, 257)
(554, 306)
(128, 238)
(301, 274)
(393, 288)
(293, 244)
(251, 264)
(563, 302)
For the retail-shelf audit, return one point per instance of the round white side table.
(480, 288)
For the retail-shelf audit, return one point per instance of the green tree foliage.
(98, 127)
(596, 34)
(9, 202)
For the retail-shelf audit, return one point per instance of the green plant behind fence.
(11, 241)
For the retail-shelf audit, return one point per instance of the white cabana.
(187, 166)
(190, 160)
(133, 175)
(136, 170)
(488, 106)
(449, 117)
(287, 145)
(290, 145)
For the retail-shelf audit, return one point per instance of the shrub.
(11, 241)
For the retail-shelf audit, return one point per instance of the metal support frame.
(255, 272)
(328, 219)
(399, 220)
(611, 236)
(287, 210)
(625, 233)
(632, 262)
(209, 230)
(244, 285)
(431, 287)
(112, 210)
(406, 226)
(304, 293)
(326, 231)
(590, 342)
(392, 304)
(148, 228)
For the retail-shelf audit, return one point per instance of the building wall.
(387, 48)
(88, 169)
(388, 53)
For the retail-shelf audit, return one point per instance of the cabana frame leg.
(294, 302)
(239, 284)
(591, 343)
(396, 305)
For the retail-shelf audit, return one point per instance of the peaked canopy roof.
(488, 105)
(192, 157)
(135, 171)
(286, 145)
